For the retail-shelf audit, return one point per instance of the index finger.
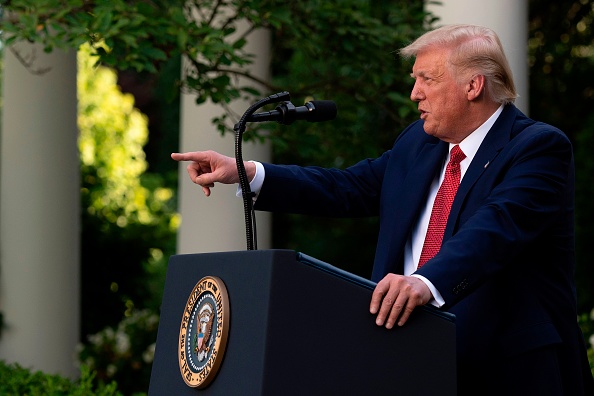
(192, 156)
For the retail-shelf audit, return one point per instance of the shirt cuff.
(438, 300)
(256, 183)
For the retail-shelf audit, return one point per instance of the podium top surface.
(358, 280)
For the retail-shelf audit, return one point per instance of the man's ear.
(475, 87)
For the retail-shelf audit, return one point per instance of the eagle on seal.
(205, 319)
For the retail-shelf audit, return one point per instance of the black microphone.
(286, 113)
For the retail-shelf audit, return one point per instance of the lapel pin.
(487, 164)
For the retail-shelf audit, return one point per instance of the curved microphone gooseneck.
(244, 183)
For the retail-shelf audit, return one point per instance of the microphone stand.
(244, 183)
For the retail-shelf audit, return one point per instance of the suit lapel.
(496, 139)
(404, 209)
(417, 183)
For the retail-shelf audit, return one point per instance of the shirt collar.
(472, 142)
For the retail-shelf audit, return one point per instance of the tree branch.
(27, 62)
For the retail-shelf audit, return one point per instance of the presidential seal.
(203, 332)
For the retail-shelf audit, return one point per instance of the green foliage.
(123, 354)
(355, 58)
(141, 35)
(586, 321)
(129, 219)
(591, 359)
(344, 51)
(112, 136)
(17, 380)
(357, 65)
(561, 56)
(583, 143)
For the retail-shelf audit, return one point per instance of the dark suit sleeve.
(352, 192)
(518, 213)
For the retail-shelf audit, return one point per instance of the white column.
(39, 213)
(216, 223)
(508, 18)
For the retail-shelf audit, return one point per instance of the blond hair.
(474, 50)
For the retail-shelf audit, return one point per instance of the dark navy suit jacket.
(506, 264)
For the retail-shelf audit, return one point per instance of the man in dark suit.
(487, 236)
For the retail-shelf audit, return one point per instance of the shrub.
(124, 354)
(17, 380)
(586, 322)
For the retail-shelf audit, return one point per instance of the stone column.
(39, 212)
(217, 223)
(509, 19)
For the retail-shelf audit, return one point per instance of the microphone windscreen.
(325, 110)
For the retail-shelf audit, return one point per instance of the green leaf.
(103, 20)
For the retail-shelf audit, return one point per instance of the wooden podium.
(298, 326)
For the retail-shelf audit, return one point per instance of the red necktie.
(441, 206)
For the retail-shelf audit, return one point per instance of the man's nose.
(416, 94)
